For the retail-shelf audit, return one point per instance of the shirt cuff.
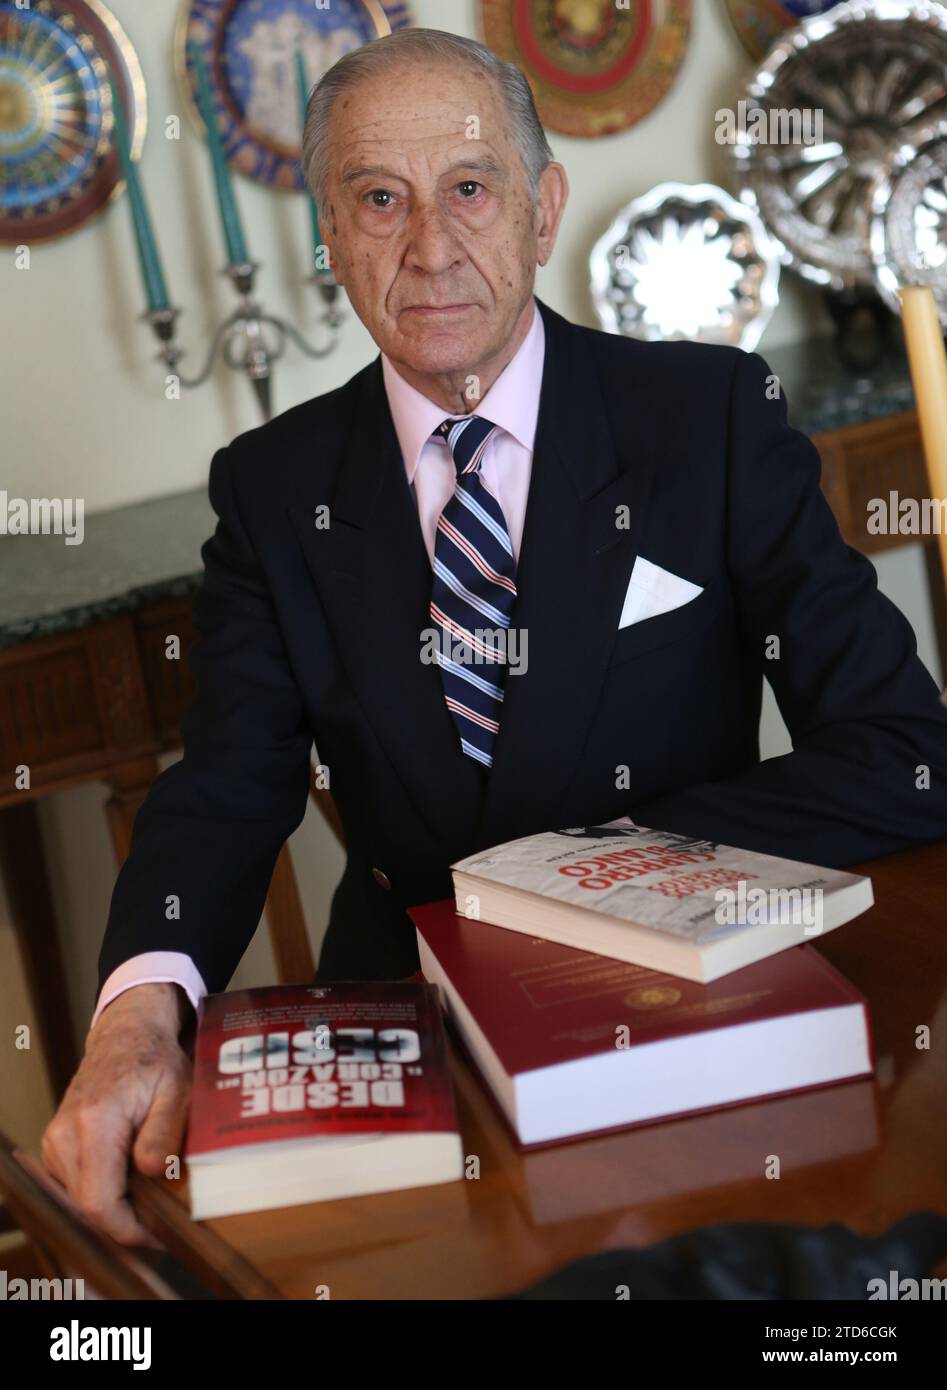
(152, 968)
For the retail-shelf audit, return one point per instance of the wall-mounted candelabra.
(249, 340)
(242, 340)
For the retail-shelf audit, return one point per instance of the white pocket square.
(652, 590)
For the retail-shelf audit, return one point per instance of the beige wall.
(84, 414)
(113, 438)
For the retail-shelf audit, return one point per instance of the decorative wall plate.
(909, 220)
(58, 163)
(877, 70)
(760, 23)
(249, 49)
(686, 261)
(594, 67)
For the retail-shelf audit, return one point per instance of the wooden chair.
(285, 918)
(194, 1263)
(927, 358)
(67, 1248)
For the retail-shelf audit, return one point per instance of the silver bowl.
(686, 261)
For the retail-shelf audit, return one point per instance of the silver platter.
(686, 261)
(862, 80)
(909, 219)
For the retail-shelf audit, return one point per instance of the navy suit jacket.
(310, 632)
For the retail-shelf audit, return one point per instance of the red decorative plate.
(595, 67)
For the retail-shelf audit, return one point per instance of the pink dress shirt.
(512, 402)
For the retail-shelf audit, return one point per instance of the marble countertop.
(823, 394)
(150, 551)
(128, 557)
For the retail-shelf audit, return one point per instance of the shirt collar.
(512, 402)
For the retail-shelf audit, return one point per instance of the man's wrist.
(152, 968)
(162, 1004)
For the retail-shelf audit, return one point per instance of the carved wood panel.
(71, 702)
(862, 462)
(169, 681)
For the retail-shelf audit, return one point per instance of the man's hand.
(128, 1098)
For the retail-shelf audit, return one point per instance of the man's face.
(430, 223)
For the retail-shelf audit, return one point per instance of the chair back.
(67, 1247)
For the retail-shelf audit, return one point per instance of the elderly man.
(636, 524)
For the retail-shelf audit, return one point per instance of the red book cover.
(297, 1062)
(541, 1004)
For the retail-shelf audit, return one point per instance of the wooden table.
(863, 1153)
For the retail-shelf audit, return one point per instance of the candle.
(378, 17)
(148, 258)
(303, 86)
(924, 340)
(229, 217)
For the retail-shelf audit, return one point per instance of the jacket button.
(381, 879)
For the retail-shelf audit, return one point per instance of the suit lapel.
(574, 566)
(373, 575)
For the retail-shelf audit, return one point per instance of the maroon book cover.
(297, 1062)
(541, 1004)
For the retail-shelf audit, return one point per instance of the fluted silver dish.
(909, 219)
(686, 261)
(876, 70)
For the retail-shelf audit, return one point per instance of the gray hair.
(427, 46)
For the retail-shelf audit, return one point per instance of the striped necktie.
(473, 593)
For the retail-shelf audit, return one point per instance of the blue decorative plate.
(249, 49)
(760, 23)
(58, 163)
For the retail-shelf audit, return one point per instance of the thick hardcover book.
(302, 1094)
(692, 907)
(571, 1043)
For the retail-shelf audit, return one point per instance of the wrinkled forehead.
(411, 113)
